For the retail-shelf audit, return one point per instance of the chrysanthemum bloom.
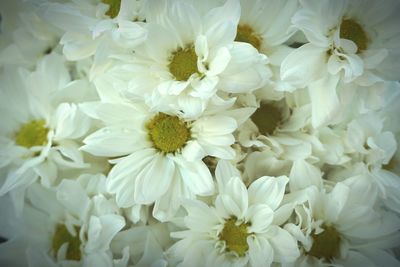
(91, 25)
(160, 153)
(348, 41)
(344, 227)
(240, 229)
(189, 56)
(63, 226)
(39, 130)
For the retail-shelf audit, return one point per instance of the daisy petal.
(154, 179)
(260, 251)
(268, 190)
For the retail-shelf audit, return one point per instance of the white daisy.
(189, 56)
(39, 130)
(87, 24)
(342, 227)
(26, 37)
(64, 227)
(161, 153)
(348, 41)
(240, 229)
(266, 25)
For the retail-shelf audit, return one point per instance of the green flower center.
(247, 35)
(168, 133)
(351, 30)
(33, 133)
(62, 236)
(183, 63)
(326, 245)
(235, 236)
(114, 6)
(267, 118)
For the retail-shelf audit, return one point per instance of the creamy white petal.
(261, 253)
(200, 217)
(260, 216)
(285, 246)
(73, 197)
(113, 142)
(304, 65)
(221, 22)
(193, 151)
(121, 179)
(154, 179)
(303, 175)
(268, 190)
(196, 176)
(324, 100)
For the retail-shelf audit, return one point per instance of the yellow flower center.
(183, 63)
(114, 6)
(267, 118)
(62, 236)
(326, 245)
(351, 30)
(247, 35)
(168, 133)
(33, 133)
(235, 236)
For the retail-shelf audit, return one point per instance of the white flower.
(39, 130)
(161, 152)
(189, 56)
(87, 25)
(64, 228)
(26, 37)
(346, 44)
(240, 229)
(342, 227)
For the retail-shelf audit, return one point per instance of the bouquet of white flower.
(247, 133)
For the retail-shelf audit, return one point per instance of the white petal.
(285, 246)
(223, 172)
(260, 216)
(336, 202)
(108, 226)
(304, 65)
(227, 207)
(73, 197)
(193, 151)
(268, 190)
(121, 179)
(219, 62)
(238, 192)
(303, 175)
(154, 179)
(260, 252)
(324, 100)
(196, 177)
(200, 217)
(112, 142)
(221, 22)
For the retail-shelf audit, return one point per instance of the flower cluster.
(248, 133)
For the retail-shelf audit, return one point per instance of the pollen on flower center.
(326, 245)
(168, 133)
(351, 30)
(33, 133)
(267, 118)
(247, 35)
(62, 236)
(114, 6)
(235, 236)
(183, 63)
